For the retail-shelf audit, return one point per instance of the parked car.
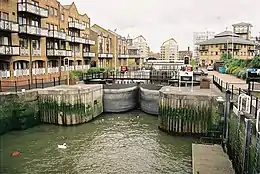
(210, 68)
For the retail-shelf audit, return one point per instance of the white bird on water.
(64, 146)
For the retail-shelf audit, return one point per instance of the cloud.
(159, 20)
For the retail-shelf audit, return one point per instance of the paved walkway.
(210, 159)
(232, 80)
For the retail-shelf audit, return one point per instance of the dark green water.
(113, 143)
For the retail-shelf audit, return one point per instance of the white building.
(142, 45)
(169, 49)
(199, 37)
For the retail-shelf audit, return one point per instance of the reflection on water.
(128, 143)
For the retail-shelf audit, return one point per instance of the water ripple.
(119, 144)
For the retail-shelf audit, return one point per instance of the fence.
(18, 85)
(242, 140)
(254, 103)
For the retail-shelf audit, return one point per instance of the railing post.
(256, 107)
(54, 81)
(36, 84)
(239, 91)
(248, 136)
(251, 103)
(42, 84)
(221, 84)
(15, 85)
(59, 79)
(29, 84)
(1, 90)
(232, 91)
(226, 117)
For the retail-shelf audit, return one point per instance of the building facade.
(104, 48)
(37, 36)
(225, 42)
(169, 49)
(185, 53)
(142, 45)
(200, 37)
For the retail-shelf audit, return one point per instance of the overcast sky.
(159, 20)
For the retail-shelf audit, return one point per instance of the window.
(216, 46)
(55, 12)
(76, 20)
(4, 16)
(35, 23)
(35, 3)
(22, 20)
(51, 27)
(55, 27)
(211, 53)
(62, 30)
(62, 17)
(36, 44)
(23, 43)
(48, 26)
(51, 10)
(4, 40)
(70, 19)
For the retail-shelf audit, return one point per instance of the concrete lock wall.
(119, 97)
(149, 98)
(71, 105)
(18, 111)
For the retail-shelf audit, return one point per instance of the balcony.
(21, 72)
(134, 56)
(36, 52)
(56, 52)
(82, 67)
(76, 54)
(106, 55)
(204, 48)
(252, 48)
(68, 53)
(235, 47)
(57, 34)
(9, 50)
(88, 54)
(24, 52)
(53, 70)
(123, 56)
(4, 73)
(33, 9)
(33, 30)
(9, 26)
(77, 25)
(77, 39)
(90, 42)
(38, 71)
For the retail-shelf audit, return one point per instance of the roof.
(140, 36)
(73, 4)
(97, 31)
(242, 24)
(226, 33)
(169, 40)
(229, 39)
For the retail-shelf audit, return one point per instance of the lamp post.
(115, 48)
(67, 68)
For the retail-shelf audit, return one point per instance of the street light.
(67, 68)
(115, 47)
